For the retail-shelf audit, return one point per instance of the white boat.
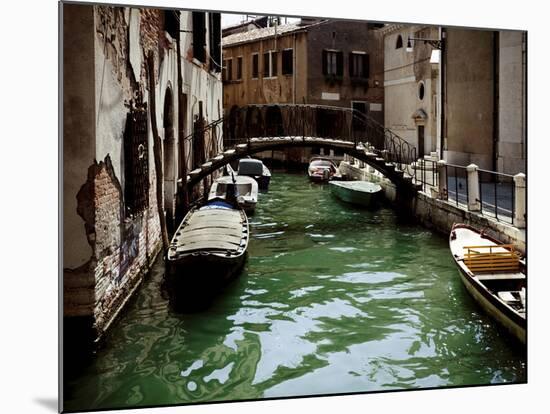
(363, 193)
(255, 169)
(242, 187)
(494, 274)
(322, 169)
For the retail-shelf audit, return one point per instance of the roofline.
(297, 30)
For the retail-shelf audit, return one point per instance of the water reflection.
(332, 299)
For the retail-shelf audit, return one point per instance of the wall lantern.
(435, 43)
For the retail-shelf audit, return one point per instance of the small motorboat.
(255, 169)
(322, 170)
(207, 251)
(363, 193)
(494, 274)
(242, 187)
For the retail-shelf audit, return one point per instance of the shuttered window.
(255, 65)
(199, 36)
(333, 63)
(359, 65)
(288, 65)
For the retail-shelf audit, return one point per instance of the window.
(215, 41)
(171, 23)
(333, 63)
(358, 65)
(266, 65)
(273, 64)
(270, 64)
(399, 42)
(255, 66)
(288, 64)
(229, 70)
(239, 68)
(199, 36)
(136, 163)
(421, 90)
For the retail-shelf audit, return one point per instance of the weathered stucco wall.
(346, 36)
(469, 97)
(512, 102)
(262, 90)
(404, 73)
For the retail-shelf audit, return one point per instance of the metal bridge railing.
(242, 124)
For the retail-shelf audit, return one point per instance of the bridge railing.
(241, 124)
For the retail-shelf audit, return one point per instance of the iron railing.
(242, 124)
(497, 195)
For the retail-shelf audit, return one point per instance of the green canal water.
(333, 299)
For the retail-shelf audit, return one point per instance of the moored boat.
(256, 169)
(363, 193)
(208, 250)
(322, 169)
(494, 274)
(241, 187)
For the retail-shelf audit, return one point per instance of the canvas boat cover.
(211, 230)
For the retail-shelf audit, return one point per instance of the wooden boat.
(363, 193)
(322, 169)
(208, 250)
(243, 188)
(494, 274)
(257, 170)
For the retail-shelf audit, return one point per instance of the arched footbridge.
(251, 129)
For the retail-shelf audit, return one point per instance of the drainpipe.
(294, 70)
(496, 99)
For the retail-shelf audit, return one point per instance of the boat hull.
(207, 251)
(484, 287)
(508, 319)
(356, 197)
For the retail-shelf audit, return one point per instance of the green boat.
(363, 193)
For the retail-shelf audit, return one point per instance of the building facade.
(314, 62)
(111, 223)
(462, 97)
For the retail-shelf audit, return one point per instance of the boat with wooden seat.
(494, 275)
(208, 249)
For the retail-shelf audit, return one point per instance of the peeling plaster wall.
(106, 252)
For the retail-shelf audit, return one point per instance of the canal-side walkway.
(441, 213)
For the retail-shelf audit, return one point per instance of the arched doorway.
(168, 150)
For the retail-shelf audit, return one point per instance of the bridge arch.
(255, 128)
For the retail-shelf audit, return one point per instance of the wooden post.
(157, 149)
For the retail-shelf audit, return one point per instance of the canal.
(333, 299)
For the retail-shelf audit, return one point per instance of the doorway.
(420, 147)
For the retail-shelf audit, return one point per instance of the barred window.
(136, 161)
